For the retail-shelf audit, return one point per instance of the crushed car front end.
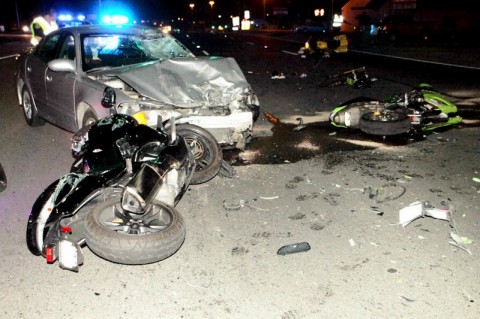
(209, 92)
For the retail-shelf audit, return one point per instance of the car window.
(67, 48)
(47, 48)
(114, 50)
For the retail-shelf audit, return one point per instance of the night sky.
(153, 9)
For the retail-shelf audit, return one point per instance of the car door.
(36, 69)
(60, 86)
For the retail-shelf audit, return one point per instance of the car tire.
(29, 109)
(135, 242)
(255, 111)
(88, 118)
(208, 155)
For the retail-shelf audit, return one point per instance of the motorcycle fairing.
(437, 100)
(61, 199)
(348, 114)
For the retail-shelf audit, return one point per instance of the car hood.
(196, 82)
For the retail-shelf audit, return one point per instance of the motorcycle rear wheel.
(390, 122)
(145, 240)
(207, 153)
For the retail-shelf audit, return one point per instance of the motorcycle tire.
(208, 155)
(134, 243)
(3, 179)
(394, 122)
(30, 110)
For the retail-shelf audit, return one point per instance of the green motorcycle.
(421, 110)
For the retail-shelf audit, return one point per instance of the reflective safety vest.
(40, 28)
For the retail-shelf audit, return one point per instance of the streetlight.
(211, 3)
(192, 5)
(264, 11)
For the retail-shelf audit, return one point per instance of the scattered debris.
(352, 242)
(422, 209)
(385, 193)
(235, 205)
(227, 170)
(272, 119)
(408, 299)
(358, 78)
(268, 198)
(293, 248)
(300, 125)
(278, 75)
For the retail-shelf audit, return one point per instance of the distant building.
(406, 18)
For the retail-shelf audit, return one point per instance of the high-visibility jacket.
(40, 28)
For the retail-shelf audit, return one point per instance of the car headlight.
(152, 117)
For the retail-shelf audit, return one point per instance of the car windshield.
(114, 50)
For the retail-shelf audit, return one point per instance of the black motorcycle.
(120, 195)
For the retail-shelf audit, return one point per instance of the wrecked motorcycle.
(419, 111)
(358, 78)
(3, 179)
(119, 198)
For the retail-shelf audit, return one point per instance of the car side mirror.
(109, 97)
(62, 65)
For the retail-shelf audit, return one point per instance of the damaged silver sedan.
(146, 73)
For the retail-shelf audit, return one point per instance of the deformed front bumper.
(229, 130)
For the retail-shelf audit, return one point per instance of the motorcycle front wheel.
(207, 153)
(145, 239)
(388, 122)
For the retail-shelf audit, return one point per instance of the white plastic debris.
(421, 209)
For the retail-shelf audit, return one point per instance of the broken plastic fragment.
(300, 125)
(421, 209)
(458, 242)
(269, 198)
(272, 119)
(293, 248)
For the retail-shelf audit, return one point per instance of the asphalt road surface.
(343, 202)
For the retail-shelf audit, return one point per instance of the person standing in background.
(43, 25)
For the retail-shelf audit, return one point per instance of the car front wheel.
(88, 118)
(29, 110)
(206, 152)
